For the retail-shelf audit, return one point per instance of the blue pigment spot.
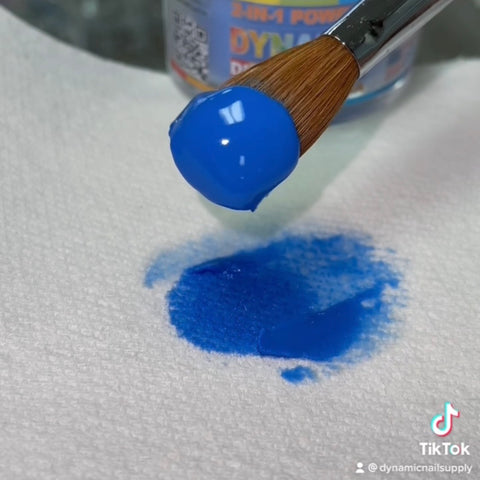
(306, 298)
(234, 146)
(298, 374)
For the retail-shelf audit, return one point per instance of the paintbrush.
(313, 80)
(236, 144)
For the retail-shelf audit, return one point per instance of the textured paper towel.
(94, 382)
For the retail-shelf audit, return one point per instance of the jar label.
(211, 40)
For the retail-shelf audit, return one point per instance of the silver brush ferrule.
(373, 28)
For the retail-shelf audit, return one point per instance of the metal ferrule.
(373, 28)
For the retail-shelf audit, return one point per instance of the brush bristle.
(312, 81)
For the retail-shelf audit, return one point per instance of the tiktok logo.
(442, 425)
(446, 419)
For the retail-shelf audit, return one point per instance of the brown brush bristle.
(312, 81)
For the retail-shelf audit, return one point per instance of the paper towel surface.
(94, 381)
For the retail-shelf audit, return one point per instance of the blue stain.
(319, 335)
(298, 374)
(234, 146)
(310, 298)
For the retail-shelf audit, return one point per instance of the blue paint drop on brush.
(211, 143)
(306, 298)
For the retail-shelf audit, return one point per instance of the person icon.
(359, 468)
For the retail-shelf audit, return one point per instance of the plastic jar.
(208, 41)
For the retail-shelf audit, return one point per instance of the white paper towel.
(94, 382)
